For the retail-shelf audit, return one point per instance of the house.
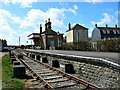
(3, 44)
(48, 38)
(105, 32)
(76, 33)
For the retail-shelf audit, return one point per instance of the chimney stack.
(95, 25)
(49, 24)
(45, 25)
(40, 28)
(115, 26)
(69, 26)
(106, 25)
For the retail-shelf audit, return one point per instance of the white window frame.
(108, 32)
(115, 32)
(104, 32)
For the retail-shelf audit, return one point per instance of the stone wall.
(100, 75)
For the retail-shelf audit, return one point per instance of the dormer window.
(108, 32)
(118, 32)
(114, 32)
(104, 32)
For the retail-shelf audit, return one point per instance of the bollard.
(69, 69)
(16, 63)
(20, 56)
(55, 64)
(12, 60)
(19, 71)
(38, 57)
(33, 56)
(30, 55)
(11, 54)
(27, 54)
(44, 60)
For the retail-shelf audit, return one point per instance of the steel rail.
(78, 81)
(35, 74)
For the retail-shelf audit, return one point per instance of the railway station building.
(47, 39)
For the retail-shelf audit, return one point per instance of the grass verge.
(7, 75)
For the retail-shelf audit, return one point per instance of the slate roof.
(108, 28)
(49, 32)
(73, 27)
(34, 34)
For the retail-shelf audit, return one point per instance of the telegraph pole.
(19, 41)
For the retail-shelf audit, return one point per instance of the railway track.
(54, 79)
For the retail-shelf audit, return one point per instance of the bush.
(112, 45)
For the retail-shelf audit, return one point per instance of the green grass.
(0, 69)
(7, 75)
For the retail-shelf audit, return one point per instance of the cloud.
(28, 3)
(6, 30)
(8, 18)
(107, 19)
(23, 3)
(11, 26)
(36, 16)
(94, 1)
(73, 10)
(75, 7)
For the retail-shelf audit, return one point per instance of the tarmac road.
(112, 57)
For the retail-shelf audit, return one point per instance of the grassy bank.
(0, 68)
(7, 75)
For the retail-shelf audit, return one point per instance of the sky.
(19, 18)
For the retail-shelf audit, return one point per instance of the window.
(114, 31)
(59, 43)
(104, 32)
(52, 43)
(118, 32)
(108, 32)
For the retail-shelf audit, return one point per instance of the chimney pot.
(48, 19)
(69, 26)
(40, 28)
(45, 24)
(106, 25)
(49, 24)
(95, 25)
(45, 21)
(116, 26)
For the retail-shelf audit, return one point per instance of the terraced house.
(104, 33)
(100, 33)
(48, 38)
